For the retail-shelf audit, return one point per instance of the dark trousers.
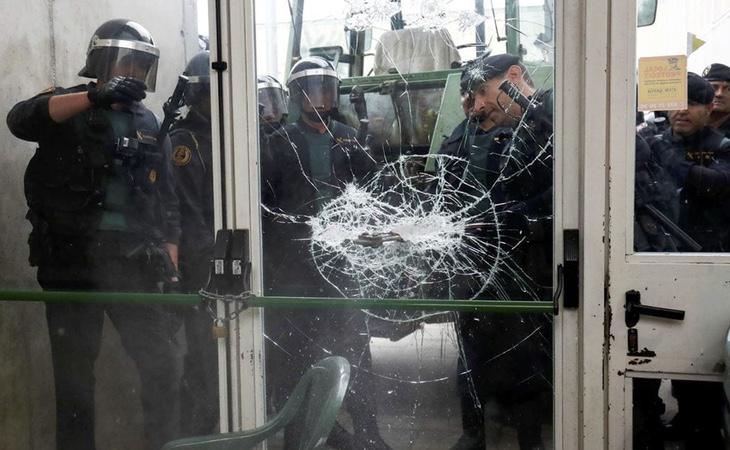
(648, 408)
(199, 402)
(75, 330)
(199, 405)
(700, 406)
(505, 358)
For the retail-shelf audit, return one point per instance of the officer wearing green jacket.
(105, 217)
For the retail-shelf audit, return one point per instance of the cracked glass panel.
(406, 153)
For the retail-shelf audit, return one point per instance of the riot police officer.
(105, 218)
(273, 108)
(306, 164)
(510, 150)
(192, 160)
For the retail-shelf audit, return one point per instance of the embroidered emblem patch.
(182, 155)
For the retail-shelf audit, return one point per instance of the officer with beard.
(306, 164)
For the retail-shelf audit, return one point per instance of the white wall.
(44, 43)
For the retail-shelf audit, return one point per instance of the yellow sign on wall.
(662, 83)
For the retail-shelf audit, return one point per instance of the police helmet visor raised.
(125, 58)
(315, 87)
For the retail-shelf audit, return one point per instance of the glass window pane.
(411, 158)
(681, 148)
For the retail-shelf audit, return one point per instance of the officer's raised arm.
(118, 90)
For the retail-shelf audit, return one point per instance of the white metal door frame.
(580, 118)
(625, 267)
(243, 405)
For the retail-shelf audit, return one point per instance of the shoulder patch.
(182, 155)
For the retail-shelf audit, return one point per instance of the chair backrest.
(312, 407)
(319, 396)
(414, 50)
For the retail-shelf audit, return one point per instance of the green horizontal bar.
(493, 306)
(98, 297)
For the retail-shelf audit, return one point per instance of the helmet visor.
(317, 91)
(126, 62)
(272, 101)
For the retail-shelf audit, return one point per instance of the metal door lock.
(634, 309)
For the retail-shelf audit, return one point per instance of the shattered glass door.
(406, 153)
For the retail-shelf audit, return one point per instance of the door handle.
(634, 309)
(571, 269)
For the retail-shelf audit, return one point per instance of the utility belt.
(47, 248)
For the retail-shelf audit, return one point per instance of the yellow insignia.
(182, 155)
(152, 176)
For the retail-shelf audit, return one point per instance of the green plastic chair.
(318, 396)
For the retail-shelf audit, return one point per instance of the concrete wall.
(44, 43)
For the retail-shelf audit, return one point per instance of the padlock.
(220, 331)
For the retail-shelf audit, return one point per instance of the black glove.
(117, 90)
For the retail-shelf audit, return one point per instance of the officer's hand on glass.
(117, 90)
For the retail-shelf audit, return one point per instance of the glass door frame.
(578, 333)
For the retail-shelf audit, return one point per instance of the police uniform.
(302, 169)
(516, 381)
(654, 187)
(719, 72)
(101, 201)
(700, 167)
(192, 160)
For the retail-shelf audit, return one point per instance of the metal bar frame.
(476, 306)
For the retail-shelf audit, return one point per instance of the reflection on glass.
(362, 197)
(107, 216)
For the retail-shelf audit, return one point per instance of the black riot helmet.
(272, 100)
(198, 72)
(314, 85)
(122, 47)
